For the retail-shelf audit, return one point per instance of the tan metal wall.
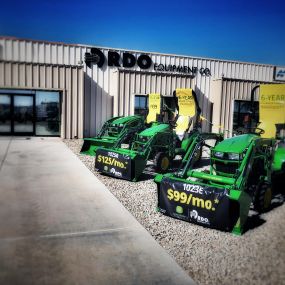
(107, 90)
(135, 82)
(66, 79)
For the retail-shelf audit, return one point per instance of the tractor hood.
(123, 120)
(235, 144)
(154, 130)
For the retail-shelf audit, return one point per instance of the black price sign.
(113, 163)
(204, 205)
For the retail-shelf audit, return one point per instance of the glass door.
(23, 114)
(48, 113)
(5, 114)
(17, 114)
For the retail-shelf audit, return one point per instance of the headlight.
(219, 154)
(233, 156)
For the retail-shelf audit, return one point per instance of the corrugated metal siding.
(104, 87)
(135, 82)
(67, 79)
(234, 90)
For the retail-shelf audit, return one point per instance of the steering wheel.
(261, 131)
(254, 130)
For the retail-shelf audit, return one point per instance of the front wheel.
(263, 197)
(161, 162)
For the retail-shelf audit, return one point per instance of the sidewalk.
(60, 225)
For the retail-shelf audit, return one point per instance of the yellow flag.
(271, 108)
(154, 102)
(186, 102)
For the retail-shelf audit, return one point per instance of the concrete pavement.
(60, 225)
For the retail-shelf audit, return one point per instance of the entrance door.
(5, 114)
(17, 114)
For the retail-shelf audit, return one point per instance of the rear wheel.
(262, 201)
(161, 162)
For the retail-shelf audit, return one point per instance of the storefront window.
(5, 113)
(140, 105)
(29, 112)
(242, 113)
(48, 113)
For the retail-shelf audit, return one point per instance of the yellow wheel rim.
(164, 163)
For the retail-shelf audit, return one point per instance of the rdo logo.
(194, 214)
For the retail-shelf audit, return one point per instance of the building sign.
(279, 73)
(144, 61)
(182, 69)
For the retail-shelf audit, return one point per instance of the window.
(241, 114)
(29, 112)
(140, 105)
(48, 113)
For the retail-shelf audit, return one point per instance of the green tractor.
(121, 130)
(239, 174)
(220, 197)
(160, 143)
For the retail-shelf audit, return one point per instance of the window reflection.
(48, 113)
(23, 114)
(5, 114)
(140, 105)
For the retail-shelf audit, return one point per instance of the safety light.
(233, 156)
(219, 154)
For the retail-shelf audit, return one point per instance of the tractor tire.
(262, 200)
(161, 162)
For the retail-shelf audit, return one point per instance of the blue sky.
(251, 31)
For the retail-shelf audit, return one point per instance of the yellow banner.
(154, 103)
(271, 109)
(186, 102)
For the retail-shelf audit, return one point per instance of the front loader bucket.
(120, 163)
(90, 145)
(204, 204)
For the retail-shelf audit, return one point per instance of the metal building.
(72, 89)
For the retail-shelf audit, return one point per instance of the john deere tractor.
(160, 143)
(121, 130)
(239, 174)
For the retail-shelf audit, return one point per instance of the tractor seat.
(182, 125)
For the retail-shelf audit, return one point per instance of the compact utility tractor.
(239, 174)
(121, 130)
(160, 143)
